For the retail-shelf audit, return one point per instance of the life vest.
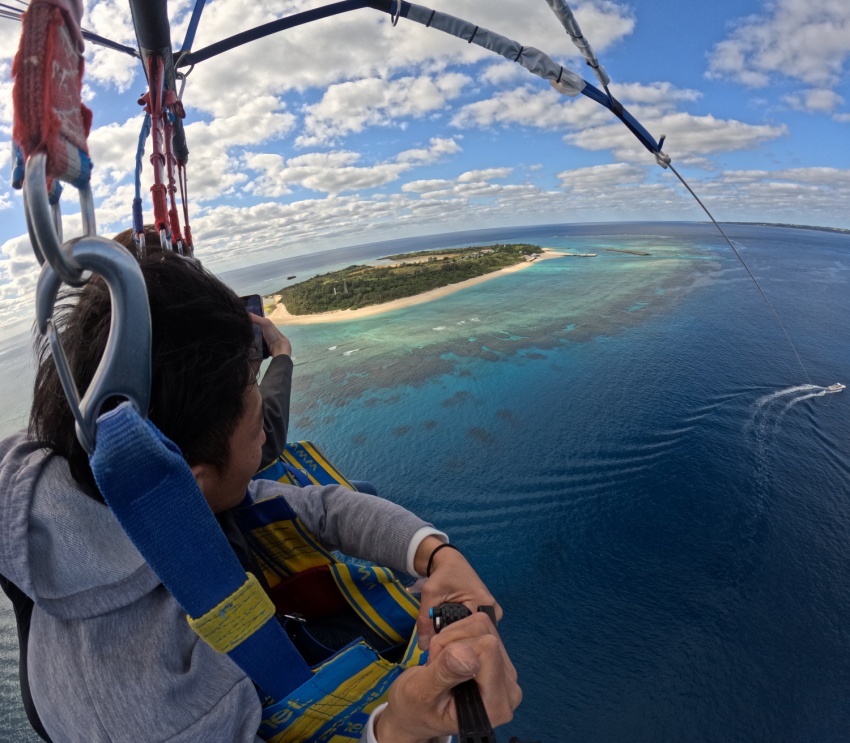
(308, 582)
(303, 463)
(140, 472)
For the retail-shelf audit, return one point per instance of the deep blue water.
(628, 450)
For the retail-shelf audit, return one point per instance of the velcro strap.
(236, 618)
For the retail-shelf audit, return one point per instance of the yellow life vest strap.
(235, 618)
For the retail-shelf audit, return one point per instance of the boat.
(289, 278)
(837, 387)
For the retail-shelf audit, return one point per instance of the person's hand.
(420, 705)
(277, 342)
(452, 580)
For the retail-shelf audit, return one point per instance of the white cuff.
(369, 736)
(418, 537)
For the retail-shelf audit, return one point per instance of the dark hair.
(127, 238)
(200, 362)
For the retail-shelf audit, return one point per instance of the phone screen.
(254, 305)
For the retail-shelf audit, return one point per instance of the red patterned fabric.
(48, 72)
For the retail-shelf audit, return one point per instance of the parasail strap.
(48, 70)
(153, 494)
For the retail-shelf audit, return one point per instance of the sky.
(349, 130)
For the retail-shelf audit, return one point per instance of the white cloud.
(437, 149)
(527, 106)
(18, 275)
(807, 40)
(364, 44)
(487, 174)
(427, 186)
(820, 177)
(687, 136)
(602, 177)
(336, 172)
(330, 172)
(595, 128)
(110, 19)
(215, 169)
(546, 109)
(352, 106)
(817, 100)
(5, 97)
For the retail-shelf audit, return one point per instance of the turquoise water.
(633, 458)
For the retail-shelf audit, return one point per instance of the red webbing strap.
(155, 106)
(170, 161)
(48, 71)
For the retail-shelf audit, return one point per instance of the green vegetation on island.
(414, 273)
(839, 230)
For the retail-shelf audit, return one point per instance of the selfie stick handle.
(472, 720)
(473, 723)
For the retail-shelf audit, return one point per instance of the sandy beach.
(279, 316)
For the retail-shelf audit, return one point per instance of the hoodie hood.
(63, 549)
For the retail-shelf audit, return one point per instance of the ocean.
(628, 449)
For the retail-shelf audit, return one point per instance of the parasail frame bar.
(96, 39)
(281, 24)
(620, 111)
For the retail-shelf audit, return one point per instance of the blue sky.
(349, 130)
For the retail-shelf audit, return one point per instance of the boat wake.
(769, 410)
(767, 400)
(765, 421)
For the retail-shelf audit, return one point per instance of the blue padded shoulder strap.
(152, 492)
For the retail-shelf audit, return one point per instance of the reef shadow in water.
(522, 333)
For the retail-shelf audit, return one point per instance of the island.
(410, 278)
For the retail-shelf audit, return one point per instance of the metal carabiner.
(143, 250)
(44, 221)
(125, 368)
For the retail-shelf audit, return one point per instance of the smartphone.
(254, 305)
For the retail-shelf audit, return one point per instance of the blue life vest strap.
(280, 471)
(153, 494)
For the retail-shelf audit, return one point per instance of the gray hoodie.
(111, 656)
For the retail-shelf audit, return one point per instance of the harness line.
(744, 264)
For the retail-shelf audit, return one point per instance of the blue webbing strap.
(138, 217)
(278, 469)
(193, 26)
(153, 494)
(18, 168)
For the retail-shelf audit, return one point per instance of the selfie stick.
(473, 723)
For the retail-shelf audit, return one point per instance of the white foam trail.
(439, 327)
(332, 348)
(765, 399)
(800, 399)
(348, 353)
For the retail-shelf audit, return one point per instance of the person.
(110, 654)
(276, 382)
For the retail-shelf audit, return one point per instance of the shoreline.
(280, 316)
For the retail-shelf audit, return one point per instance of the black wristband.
(431, 559)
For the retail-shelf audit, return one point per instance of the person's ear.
(203, 475)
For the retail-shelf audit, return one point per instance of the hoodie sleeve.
(361, 525)
(276, 388)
